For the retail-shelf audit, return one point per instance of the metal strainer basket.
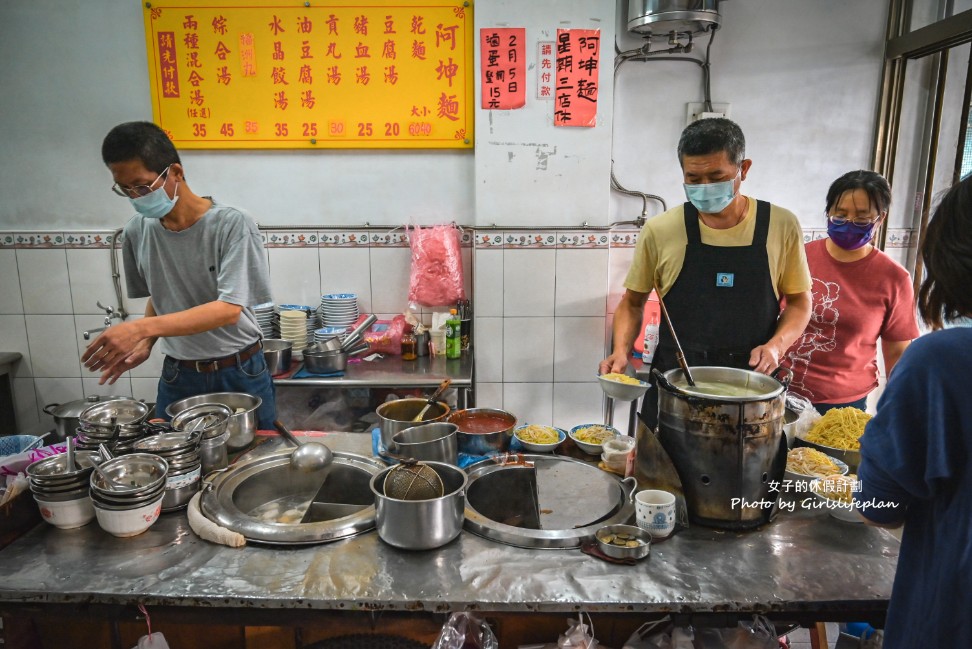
(412, 480)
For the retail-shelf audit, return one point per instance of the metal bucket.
(726, 450)
(397, 415)
(434, 442)
(421, 524)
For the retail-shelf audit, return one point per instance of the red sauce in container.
(481, 423)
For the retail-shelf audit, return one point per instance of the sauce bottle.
(409, 346)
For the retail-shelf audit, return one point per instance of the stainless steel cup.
(436, 442)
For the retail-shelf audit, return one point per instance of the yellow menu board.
(270, 74)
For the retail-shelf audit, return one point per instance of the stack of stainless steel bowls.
(127, 493)
(211, 422)
(180, 450)
(118, 422)
(62, 493)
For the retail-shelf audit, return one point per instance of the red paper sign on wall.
(578, 68)
(503, 67)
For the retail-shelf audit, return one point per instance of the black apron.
(722, 305)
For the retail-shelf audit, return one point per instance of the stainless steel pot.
(242, 424)
(66, 414)
(421, 524)
(724, 447)
(397, 415)
(472, 441)
(434, 442)
(277, 353)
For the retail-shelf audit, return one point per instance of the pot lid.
(545, 501)
(265, 498)
(75, 408)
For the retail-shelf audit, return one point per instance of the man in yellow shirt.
(721, 261)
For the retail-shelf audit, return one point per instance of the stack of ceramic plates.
(339, 309)
(293, 327)
(265, 318)
(324, 334)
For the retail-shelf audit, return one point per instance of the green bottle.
(453, 333)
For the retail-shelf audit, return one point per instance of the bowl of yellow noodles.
(622, 387)
(539, 438)
(837, 434)
(804, 463)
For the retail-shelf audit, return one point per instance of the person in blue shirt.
(916, 454)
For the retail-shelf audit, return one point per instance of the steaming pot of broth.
(724, 437)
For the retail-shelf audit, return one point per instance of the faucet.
(110, 314)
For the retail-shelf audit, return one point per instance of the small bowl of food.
(835, 493)
(622, 387)
(623, 541)
(538, 438)
(803, 464)
(590, 437)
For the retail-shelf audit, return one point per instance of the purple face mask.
(850, 236)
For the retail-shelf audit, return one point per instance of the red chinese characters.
(503, 67)
(576, 74)
(167, 65)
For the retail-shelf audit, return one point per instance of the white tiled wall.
(543, 312)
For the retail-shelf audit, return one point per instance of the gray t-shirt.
(221, 257)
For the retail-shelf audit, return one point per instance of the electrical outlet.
(694, 111)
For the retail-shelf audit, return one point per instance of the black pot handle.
(665, 383)
(47, 409)
(788, 376)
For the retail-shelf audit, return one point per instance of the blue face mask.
(850, 236)
(156, 204)
(711, 198)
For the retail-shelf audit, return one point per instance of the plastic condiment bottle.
(453, 335)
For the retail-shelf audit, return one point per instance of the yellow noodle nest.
(838, 487)
(621, 378)
(594, 434)
(839, 428)
(811, 462)
(536, 434)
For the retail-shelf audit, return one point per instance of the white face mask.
(712, 198)
(156, 204)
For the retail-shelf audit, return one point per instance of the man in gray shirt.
(203, 267)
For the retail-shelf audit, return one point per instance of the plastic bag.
(465, 631)
(436, 277)
(577, 636)
(758, 634)
(808, 415)
(385, 337)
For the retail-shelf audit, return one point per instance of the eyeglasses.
(136, 191)
(857, 220)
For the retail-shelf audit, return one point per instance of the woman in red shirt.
(860, 295)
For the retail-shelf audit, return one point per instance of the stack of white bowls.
(180, 450)
(266, 317)
(293, 327)
(119, 422)
(325, 334)
(62, 494)
(339, 309)
(132, 501)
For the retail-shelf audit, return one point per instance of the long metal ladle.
(678, 348)
(308, 456)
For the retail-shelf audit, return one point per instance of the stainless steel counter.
(393, 372)
(804, 563)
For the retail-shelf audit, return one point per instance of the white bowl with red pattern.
(129, 522)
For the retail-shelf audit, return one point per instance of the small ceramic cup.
(655, 512)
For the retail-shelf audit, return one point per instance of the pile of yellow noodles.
(838, 487)
(839, 428)
(537, 434)
(621, 378)
(594, 434)
(811, 462)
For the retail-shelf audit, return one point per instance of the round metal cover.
(265, 498)
(544, 502)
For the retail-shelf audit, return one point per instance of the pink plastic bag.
(436, 278)
(385, 337)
